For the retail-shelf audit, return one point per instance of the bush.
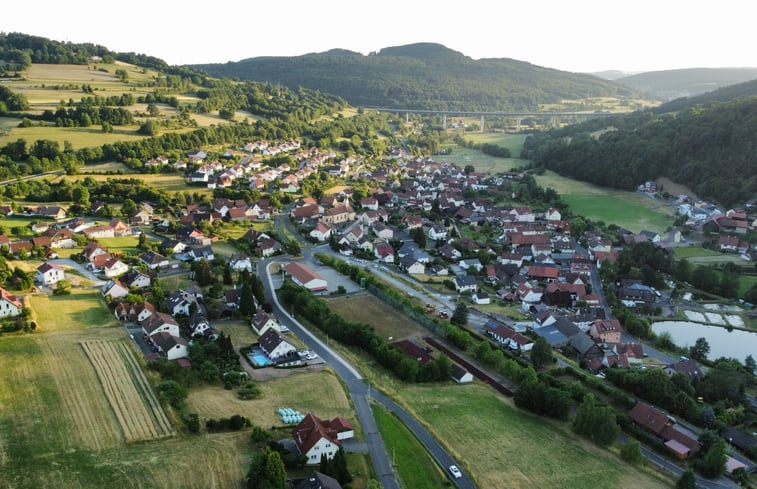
(234, 423)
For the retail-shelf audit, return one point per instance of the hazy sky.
(578, 35)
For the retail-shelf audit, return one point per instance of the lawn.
(694, 251)
(83, 309)
(388, 322)
(240, 331)
(498, 442)
(509, 311)
(481, 162)
(305, 390)
(414, 466)
(625, 209)
(123, 244)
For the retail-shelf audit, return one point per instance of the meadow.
(480, 161)
(625, 209)
(387, 321)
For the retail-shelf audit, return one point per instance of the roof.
(458, 372)
(465, 280)
(649, 417)
(689, 368)
(166, 341)
(317, 480)
(311, 429)
(543, 271)
(738, 438)
(270, 340)
(8, 297)
(303, 273)
(410, 349)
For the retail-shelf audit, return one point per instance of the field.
(138, 411)
(530, 451)
(387, 321)
(414, 466)
(694, 251)
(82, 310)
(625, 209)
(79, 137)
(513, 142)
(481, 162)
(319, 392)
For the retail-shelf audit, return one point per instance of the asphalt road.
(361, 394)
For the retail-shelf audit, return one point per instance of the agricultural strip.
(134, 404)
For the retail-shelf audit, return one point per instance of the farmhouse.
(49, 274)
(306, 277)
(315, 437)
(10, 305)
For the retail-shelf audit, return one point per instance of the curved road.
(361, 393)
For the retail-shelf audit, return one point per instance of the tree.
(153, 110)
(712, 464)
(267, 471)
(148, 128)
(541, 353)
(142, 244)
(293, 247)
(469, 169)
(578, 227)
(750, 364)
(246, 300)
(631, 452)
(63, 287)
(203, 275)
(460, 316)
(598, 423)
(419, 237)
(701, 349)
(80, 195)
(129, 207)
(687, 481)
(227, 278)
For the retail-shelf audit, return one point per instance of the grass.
(79, 137)
(513, 142)
(82, 310)
(530, 451)
(318, 392)
(513, 312)
(240, 331)
(123, 244)
(694, 251)
(481, 162)
(387, 322)
(625, 209)
(414, 466)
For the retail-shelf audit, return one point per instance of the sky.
(577, 35)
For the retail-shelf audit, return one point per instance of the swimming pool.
(259, 359)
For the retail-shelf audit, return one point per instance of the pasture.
(513, 142)
(625, 209)
(530, 451)
(481, 162)
(139, 414)
(414, 466)
(79, 137)
(387, 322)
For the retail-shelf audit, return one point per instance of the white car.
(455, 471)
(311, 356)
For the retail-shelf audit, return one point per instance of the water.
(734, 344)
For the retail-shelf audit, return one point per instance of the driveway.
(67, 262)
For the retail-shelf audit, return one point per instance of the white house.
(114, 267)
(306, 277)
(553, 215)
(9, 304)
(315, 437)
(262, 322)
(460, 375)
(160, 322)
(465, 283)
(173, 347)
(481, 298)
(241, 262)
(274, 346)
(49, 274)
(322, 231)
(114, 288)
(437, 233)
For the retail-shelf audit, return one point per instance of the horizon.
(584, 37)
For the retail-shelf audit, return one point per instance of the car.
(311, 356)
(455, 471)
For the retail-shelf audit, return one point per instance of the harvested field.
(368, 309)
(136, 408)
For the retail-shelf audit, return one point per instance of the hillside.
(710, 149)
(724, 94)
(423, 75)
(672, 84)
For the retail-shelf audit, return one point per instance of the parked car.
(455, 471)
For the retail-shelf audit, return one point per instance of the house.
(422, 354)
(460, 375)
(316, 480)
(606, 330)
(172, 246)
(114, 267)
(240, 262)
(269, 247)
(315, 437)
(305, 276)
(635, 294)
(559, 333)
(136, 279)
(114, 288)
(474, 264)
(384, 252)
(274, 346)
(153, 260)
(262, 322)
(481, 298)
(339, 214)
(120, 228)
(179, 302)
(160, 322)
(437, 233)
(465, 283)
(688, 367)
(322, 231)
(545, 273)
(507, 336)
(200, 326)
(202, 253)
(382, 231)
(677, 439)
(49, 274)
(412, 266)
(10, 305)
(134, 312)
(369, 203)
(95, 232)
(172, 347)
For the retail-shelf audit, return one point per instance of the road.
(67, 262)
(361, 394)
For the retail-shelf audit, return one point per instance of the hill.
(672, 84)
(724, 94)
(709, 148)
(423, 75)
(612, 74)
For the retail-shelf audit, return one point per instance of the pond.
(735, 344)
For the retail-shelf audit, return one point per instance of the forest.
(708, 148)
(422, 76)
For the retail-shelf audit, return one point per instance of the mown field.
(625, 209)
(387, 322)
(414, 466)
(481, 162)
(513, 142)
(82, 310)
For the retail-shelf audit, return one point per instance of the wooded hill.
(672, 84)
(709, 148)
(423, 76)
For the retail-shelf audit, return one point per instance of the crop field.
(82, 310)
(530, 451)
(319, 392)
(138, 411)
(415, 467)
(625, 209)
(387, 321)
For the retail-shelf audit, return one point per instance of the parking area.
(335, 279)
(135, 333)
